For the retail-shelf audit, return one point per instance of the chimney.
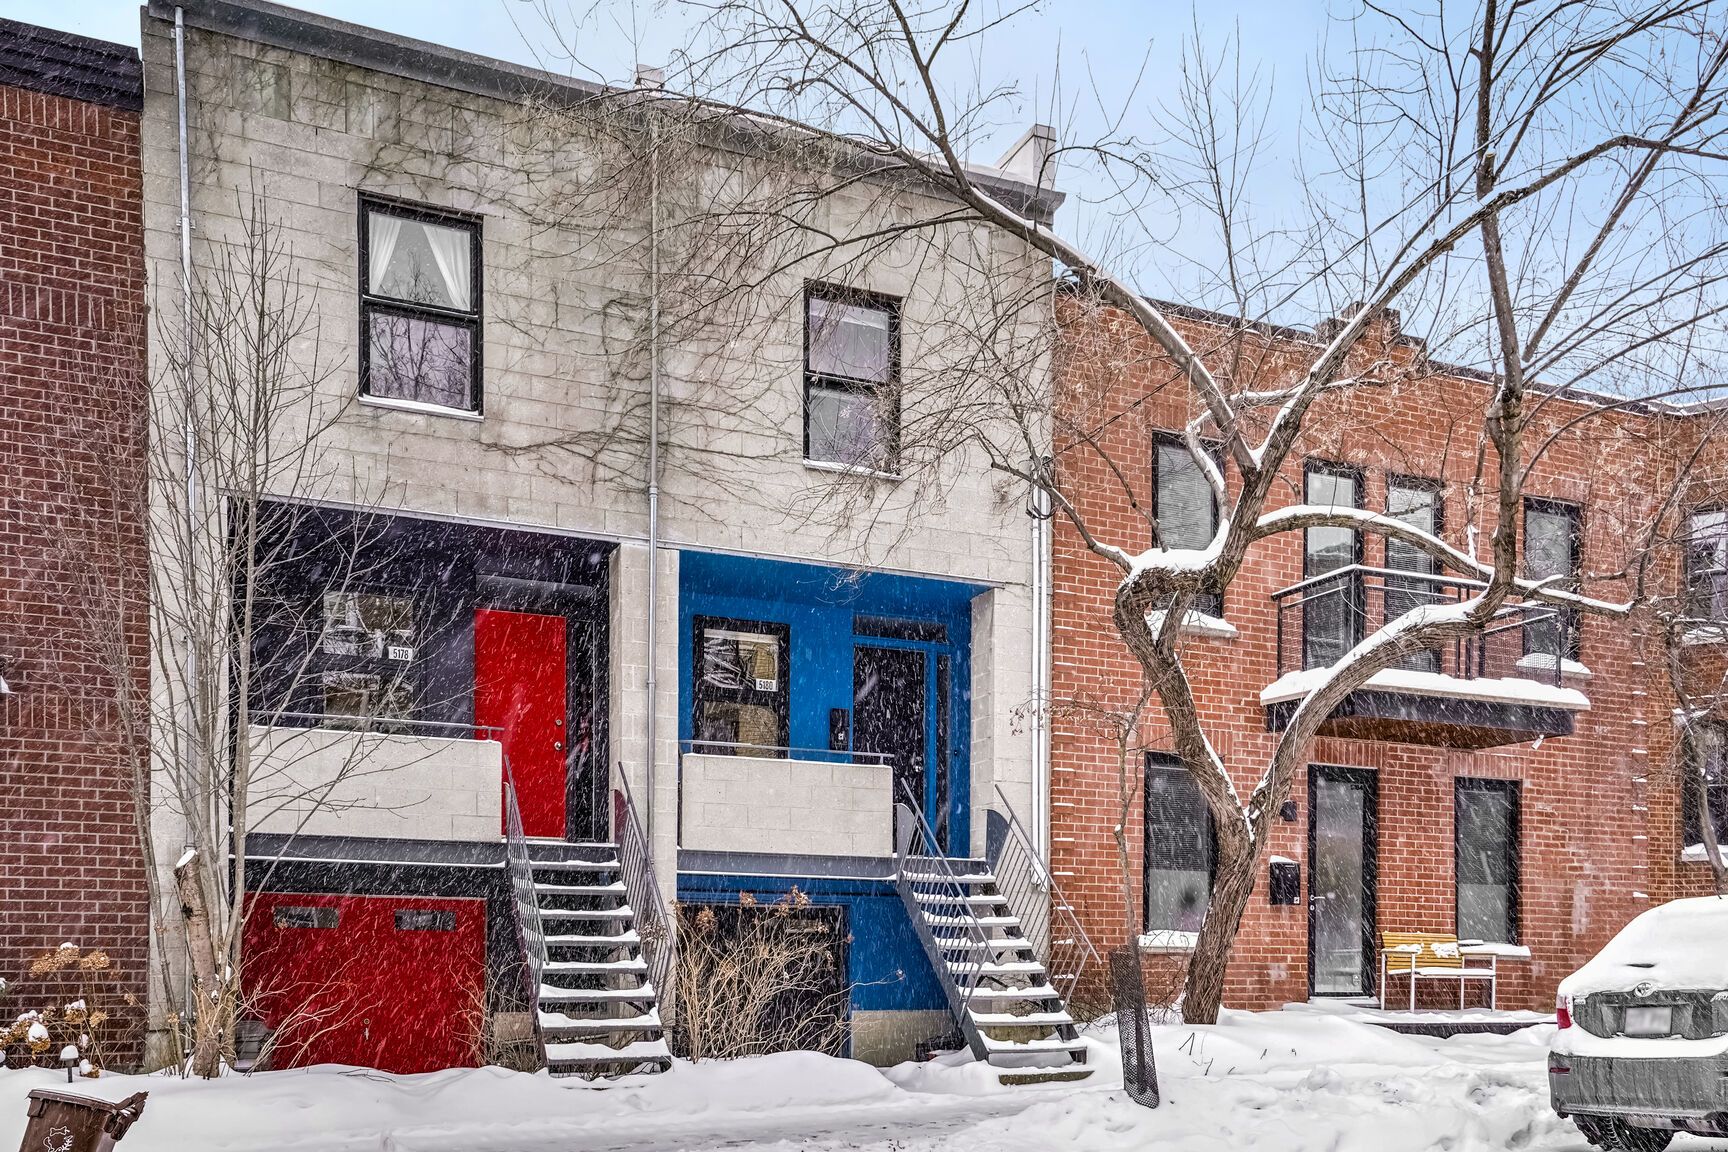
(1388, 323)
(650, 77)
(1032, 157)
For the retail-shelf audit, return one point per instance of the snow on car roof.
(1683, 944)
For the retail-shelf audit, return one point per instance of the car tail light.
(1563, 1011)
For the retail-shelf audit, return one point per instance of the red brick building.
(1451, 798)
(73, 594)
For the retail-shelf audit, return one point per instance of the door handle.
(557, 745)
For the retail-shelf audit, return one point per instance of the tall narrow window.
(420, 306)
(741, 689)
(1180, 847)
(1709, 756)
(1331, 609)
(1417, 503)
(1486, 826)
(1551, 550)
(1707, 564)
(1185, 505)
(366, 656)
(851, 378)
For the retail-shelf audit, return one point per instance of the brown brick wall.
(1599, 816)
(72, 589)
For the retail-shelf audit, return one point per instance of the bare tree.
(1538, 186)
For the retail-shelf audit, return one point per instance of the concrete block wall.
(331, 782)
(802, 807)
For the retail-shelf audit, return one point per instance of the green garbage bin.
(62, 1122)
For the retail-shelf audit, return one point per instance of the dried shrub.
(90, 1023)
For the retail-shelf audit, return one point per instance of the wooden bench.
(1431, 956)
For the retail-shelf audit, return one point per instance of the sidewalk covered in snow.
(1285, 1081)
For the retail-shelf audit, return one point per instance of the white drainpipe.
(1040, 726)
(653, 467)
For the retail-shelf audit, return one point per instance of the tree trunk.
(211, 1016)
(1203, 990)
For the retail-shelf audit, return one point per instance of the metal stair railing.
(530, 932)
(935, 877)
(1030, 888)
(653, 919)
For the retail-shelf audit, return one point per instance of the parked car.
(1642, 1047)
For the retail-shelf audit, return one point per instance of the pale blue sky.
(1127, 50)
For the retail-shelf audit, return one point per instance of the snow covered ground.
(1285, 1081)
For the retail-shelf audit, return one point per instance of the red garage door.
(396, 983)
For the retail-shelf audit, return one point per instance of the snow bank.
(1676, 946)
(1293, 1081)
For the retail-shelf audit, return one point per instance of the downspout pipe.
(190, 738)
(652, 728)
(189, 430)
(1040, 726)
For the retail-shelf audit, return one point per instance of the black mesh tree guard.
(1133, 1028)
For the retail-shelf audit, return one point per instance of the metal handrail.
(944, 883)
(530, 931)
(654, 923)
(1348, 595)
(880, 759)
(1030, 888)
(269, 718)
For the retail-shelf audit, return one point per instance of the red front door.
(519, 690)
(391, 982)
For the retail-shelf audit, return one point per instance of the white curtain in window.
(383, 232)
(450, 248)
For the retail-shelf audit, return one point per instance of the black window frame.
(473, 319)
(1691, 826)
(1568, 619)
(1210, 602)
(1689, 571)
(1413, 483)
(861, 298)
(1355, 593)
(701, 691)
(1168, 763)
(1513, 791)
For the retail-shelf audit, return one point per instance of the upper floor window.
(851, 378)
(1551, 549)
(1180, 847)
(420, 306)
(1707, 748)
(1332, 610)
(1416, 502)
(1707, 564)
(1185, 505)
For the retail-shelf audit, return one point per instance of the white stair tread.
(622, 940)
(639, 1022)
(1036, 992)
(1005, 968)
(1045, 1044)
(941, 877)
(578, 1051)
(966, 921)
(616, 888)
(984, 900)
(995, 944)
(595, 967)
(1029, 1020)
(623, 913)
(573, 865)
(552, 994)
